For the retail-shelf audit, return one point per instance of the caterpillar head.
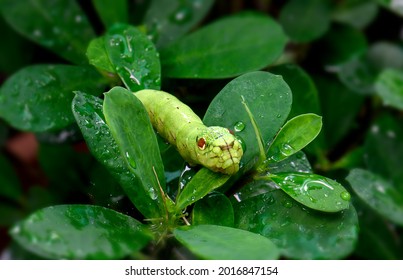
(218, 149)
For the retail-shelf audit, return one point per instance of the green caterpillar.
(213, 147)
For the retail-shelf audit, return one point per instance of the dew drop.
(278, 116)
(239, 126)
(181, 15)
(345, 196)
(287, 150)
(287, 204)
(130, 161)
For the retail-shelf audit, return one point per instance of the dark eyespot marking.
(201, 143)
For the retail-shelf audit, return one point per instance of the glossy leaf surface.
(314, 191)
(80, 232)
(378, 193)
(298, 232)
(215, 209)
(90, 118)
(218, 50)
(38, 97)
(217, 243)
(294, 136)
(131, 128)
(133, 57)
(168, 20)
(59, 25)
(268, 98)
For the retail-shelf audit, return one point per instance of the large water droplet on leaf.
(239, 126)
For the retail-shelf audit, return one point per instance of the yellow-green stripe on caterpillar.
(214, 147)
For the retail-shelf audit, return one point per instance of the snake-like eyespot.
(201, 143)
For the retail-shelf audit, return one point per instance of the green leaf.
(10, 185)
(59, 25)
(166, 21)
(268, 98)
(389, 86)
(334, 95)
(203, 182)
(377, 239)
(220, 49)
(357, 13)
(299, 233)
(111, 11)
(297, 162)
(341, 44)
(133, 57)
(378, 193)
(224, 243)
(314, 191)
(215, 209)
(80, 232)
(89, 116)
(294, 136)
(384, 149)
(98, 56)
(304, 21)
(304, 98)
(38, 98)
(360, 73)
(131, 128)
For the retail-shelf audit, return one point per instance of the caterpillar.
(214, 147)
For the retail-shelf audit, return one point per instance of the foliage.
(312, 91)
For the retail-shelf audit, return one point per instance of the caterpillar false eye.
(201, 143)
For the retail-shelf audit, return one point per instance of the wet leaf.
(297, 162)
(59, 25)
(294, 136)
(218, 50)
(304, 21)
(305, 98)
(111, 11)
(215, 209)
(389, 86)
(378, 193)
(203, 182)
(131, 128)
(298, 232)
(133, 57)
(90, 118)
(98, 56)
(38, 98)
(217, 243)
(168, 20)
(268, 98)
(80, 232)
(384, 149)
(314, 191)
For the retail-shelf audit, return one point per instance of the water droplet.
(287, 204)
(242, 142)
(152, 193)
(391, 134)
(278, 116)
(37, 33)
(182, 14)
(239, 126)
(345, 196)
(287, 150)
(78, 18)
(130, 161)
